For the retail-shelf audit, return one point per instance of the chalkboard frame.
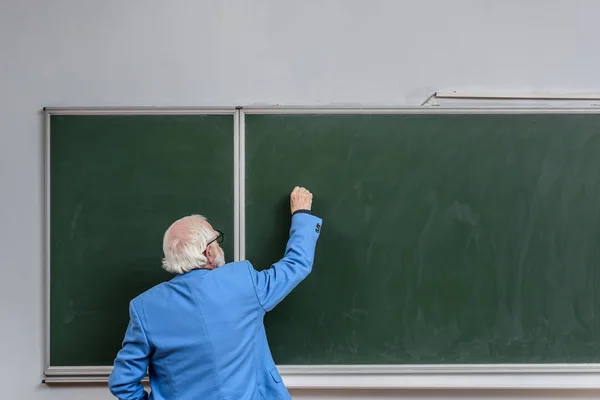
(431, 376)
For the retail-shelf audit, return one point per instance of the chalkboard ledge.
(485, 376)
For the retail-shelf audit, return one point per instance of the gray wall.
(235, 52)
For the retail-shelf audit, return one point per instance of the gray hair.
(184, 244)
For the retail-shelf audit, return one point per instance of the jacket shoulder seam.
(248, 265)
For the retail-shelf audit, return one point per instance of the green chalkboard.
(446, 238)
(116, 184)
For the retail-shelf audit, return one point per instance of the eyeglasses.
(219, 239)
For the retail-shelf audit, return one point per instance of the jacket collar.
(194, 272)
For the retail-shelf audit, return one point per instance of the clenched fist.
(300, 199)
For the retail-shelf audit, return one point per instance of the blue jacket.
(200, 336)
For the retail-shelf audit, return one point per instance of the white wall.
(236, 52)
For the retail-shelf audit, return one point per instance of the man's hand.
(300, 199)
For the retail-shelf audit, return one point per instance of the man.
(201, 335)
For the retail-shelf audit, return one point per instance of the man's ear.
(211, 255)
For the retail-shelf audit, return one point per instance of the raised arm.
(274, 284)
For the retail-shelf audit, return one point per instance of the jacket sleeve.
(274, 284)
(131, 363)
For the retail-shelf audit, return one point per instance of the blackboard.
(447, 238)
(116, 183)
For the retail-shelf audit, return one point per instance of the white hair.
(184, 244)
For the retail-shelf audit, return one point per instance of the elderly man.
(201, 334)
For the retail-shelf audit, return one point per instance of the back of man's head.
(184, 244)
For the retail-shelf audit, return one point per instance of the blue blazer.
(200, 336)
